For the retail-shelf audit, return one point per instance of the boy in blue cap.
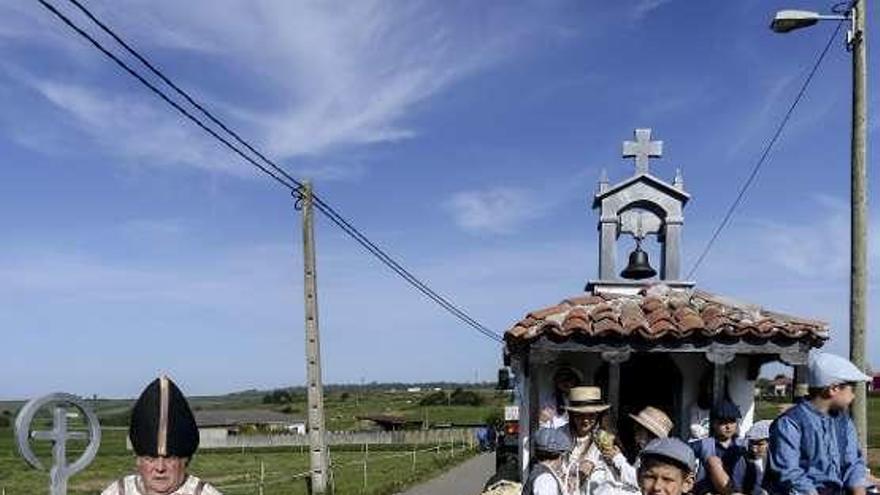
(719, 453)
(551, 444)
(814, 449)
(748, 475)
(666, 467)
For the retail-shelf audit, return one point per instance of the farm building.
(648, 337)
(388, 422)
(781, 386)
(222, 423)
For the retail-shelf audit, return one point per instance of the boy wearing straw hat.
(595, 465)
(650, 423)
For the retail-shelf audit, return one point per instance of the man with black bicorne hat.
(164, 437)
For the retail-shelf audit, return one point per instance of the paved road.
(467, 478)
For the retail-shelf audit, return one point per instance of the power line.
(273, 170)
(760, 163)
(158, 92)
(325, 208)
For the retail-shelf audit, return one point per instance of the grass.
(236, 472)
(341, 407)
(390, 468)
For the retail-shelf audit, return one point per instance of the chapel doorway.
(646, 379)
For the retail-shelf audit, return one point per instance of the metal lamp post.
(789, 20)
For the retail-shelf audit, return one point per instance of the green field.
(342, 407)
(238, 473)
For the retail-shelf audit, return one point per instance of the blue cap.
(829, 369)
(552, 440)
(759, 431)
(726, 410)
(671, 449)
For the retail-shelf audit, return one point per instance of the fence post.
(262, 475)
(366, 458)
(413, 461)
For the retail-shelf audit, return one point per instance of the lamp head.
(789, 20)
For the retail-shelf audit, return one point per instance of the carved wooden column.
(720, 358)
(797, 359)
(614, 359)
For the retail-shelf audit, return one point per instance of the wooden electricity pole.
(317, 448)
(859, 217)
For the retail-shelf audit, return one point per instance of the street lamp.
(854, 11)
(789, 20)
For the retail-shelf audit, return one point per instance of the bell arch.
(639, 206)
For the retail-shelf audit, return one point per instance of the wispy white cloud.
(309, 78)
(643, 8)
(815, 249)
(135, 130)
(496, 210)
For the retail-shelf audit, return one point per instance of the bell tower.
(642, 207)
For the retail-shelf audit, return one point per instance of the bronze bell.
(638, 267)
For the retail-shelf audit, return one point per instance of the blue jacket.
(708, 447)
(811, 451)
(748, 476)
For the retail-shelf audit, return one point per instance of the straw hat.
(654, 420)
(586, 400)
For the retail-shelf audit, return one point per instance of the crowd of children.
(811, 449)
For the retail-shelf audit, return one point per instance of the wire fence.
(258, 482)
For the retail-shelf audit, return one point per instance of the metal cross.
(59, 435)
(641, 149)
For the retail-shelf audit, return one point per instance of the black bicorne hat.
(162, 424)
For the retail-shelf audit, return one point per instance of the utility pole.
(859, 214)
(317, 448)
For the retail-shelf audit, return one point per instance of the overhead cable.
(763, 158)
(268, 167)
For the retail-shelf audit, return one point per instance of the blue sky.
(464, 137)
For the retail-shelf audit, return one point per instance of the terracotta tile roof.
(659, 313)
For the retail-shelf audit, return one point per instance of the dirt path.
(467, 478)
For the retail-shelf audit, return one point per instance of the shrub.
(466, 398)
(434, 399)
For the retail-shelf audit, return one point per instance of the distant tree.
(435, 399)
(4, 422)
(461, 397)
(494, 418)
(344, 397)
(278, 396)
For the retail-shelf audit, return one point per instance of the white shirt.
(614, 477)
(699, 422)
(132, 485)
(546, 484)
(559, 416)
